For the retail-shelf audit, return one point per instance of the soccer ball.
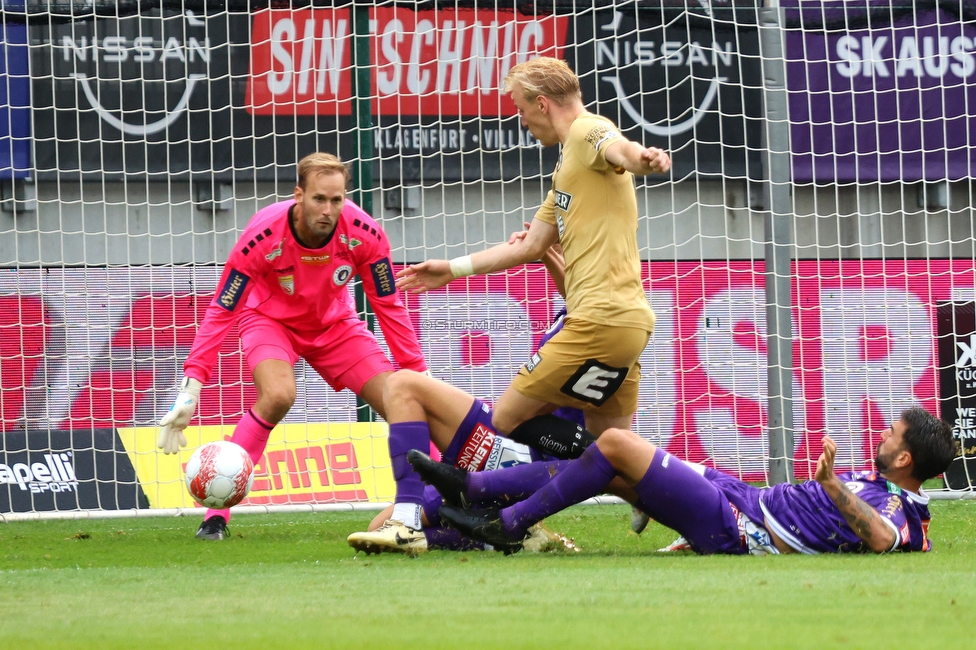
(219, 474)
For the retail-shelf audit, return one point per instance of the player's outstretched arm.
(861, 517)
(637, 159)
(423, 277)
(433, 274)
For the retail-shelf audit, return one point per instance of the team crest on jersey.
(316, 260)
(287, 283)
(351, 242)
(342, 275)
(275, 252)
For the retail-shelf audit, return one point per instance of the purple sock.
(405, 436)
(449, 539)
(583, 478)
(516, 482)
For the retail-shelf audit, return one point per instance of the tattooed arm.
(862, 518)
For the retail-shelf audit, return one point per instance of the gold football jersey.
(595, 210)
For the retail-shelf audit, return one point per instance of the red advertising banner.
(439, 62)
(864, 349)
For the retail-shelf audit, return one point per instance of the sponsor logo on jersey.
(55, 474)
(476, 448)
(287, 283)
(533, 362)
(506, 453)
(594, 382)
(316, 260)
(342, 275)
(563, 199)
(383, 277)
(275, 252)
(351, 242)
(892, 506)
(232, 290)
(854, 486)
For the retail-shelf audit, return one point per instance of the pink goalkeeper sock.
(251, 433)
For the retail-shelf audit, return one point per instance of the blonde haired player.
(591, 210)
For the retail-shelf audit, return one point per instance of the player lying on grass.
(877, 511)
(460, 428)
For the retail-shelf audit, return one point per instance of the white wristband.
(462, 266)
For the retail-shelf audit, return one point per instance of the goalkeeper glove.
(171, 436)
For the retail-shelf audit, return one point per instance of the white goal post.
(810, 257)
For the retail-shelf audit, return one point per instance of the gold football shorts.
(588, 366)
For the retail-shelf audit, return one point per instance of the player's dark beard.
(881, 461)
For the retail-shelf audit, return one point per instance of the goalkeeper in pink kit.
(284, 284)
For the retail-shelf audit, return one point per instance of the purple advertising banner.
(880, 92)
(14, 102)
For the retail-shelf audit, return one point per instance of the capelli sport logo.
(55, 474)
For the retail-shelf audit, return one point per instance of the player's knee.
(402, 385)
(504, 422)
(618, 445)
(277, 399)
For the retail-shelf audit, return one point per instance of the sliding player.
(459, 426)
(285, 285)
(423, 411)
(878, 511)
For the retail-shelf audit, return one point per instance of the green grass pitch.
(290, 581)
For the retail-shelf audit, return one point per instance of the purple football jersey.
(804, 516)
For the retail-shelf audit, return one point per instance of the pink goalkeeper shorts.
(345, 354)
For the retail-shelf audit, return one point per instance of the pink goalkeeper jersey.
(304, 289)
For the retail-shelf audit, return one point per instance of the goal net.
(821, 150)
